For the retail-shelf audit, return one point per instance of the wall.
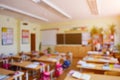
(103, 22)
(16, 24)
(98, 22)
(33, 28)
(6, 21)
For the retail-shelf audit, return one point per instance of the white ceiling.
(77, 9)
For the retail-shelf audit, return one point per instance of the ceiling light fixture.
(93, 6)
(36, 1)
(53, 6)
(23, 12)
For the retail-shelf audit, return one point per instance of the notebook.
(76, 75)
(2, 76)
(85, 77)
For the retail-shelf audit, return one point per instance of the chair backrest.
(70, 56)
(45, 74)
(58, 70)
(112, 73)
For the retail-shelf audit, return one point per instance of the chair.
(6, 64)
(112, 73)
(48, 71)
(70, 56)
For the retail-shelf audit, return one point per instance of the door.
(33, 42)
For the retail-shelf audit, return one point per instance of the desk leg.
(81, 70)
(15, 78)
(20, 78)
(26, 75)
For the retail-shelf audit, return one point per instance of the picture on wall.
(7, 36)
(25, 36)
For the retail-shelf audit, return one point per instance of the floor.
(72, 67)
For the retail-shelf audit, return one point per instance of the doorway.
(33, 42)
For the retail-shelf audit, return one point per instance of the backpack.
(45, 75)
(5, 65)
(58, 70)
(66, 64)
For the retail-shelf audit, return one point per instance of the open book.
(82, 76)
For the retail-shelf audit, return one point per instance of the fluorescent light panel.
(23, 12)
(53, 6)
(93, 6)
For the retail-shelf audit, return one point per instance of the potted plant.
(117, 54)
(94, 30)
(49, 50)
(112, 29)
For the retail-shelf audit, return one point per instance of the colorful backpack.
(45, 75)
(6, 65)
(66, 64)
(58, 70)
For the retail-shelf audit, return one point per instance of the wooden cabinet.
(77, 50)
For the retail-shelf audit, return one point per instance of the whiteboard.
(48, 37)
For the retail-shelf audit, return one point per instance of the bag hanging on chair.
(45, 76)
(66, 64)
(58, 70)
(5, 65)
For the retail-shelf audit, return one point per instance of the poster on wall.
(7, 36)
(25, 36)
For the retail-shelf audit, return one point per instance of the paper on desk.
(32, 65)
(88, 65)
(2, 76)
(85, 77)
(76, 74)
(106, 67)
(81, 62)
(103, 60)
(90, 58)
(93, 52)
(114, 59)
(52, 59)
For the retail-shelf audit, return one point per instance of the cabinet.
(77, 50)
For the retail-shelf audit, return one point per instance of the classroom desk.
(47, 58)
(94, 53)
(18, 57)
(30, 54)
(98, 67)
(11, 74)
(100, 60)
(96, 77)
(24, 64)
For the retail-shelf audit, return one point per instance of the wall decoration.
(25, 36)
(7, 36)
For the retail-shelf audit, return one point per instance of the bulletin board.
(25, 36)
(7, 36)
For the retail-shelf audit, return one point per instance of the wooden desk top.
(6, 72)
(99, 67)
(19, 57)
(23, 64)
(45, 58)
(10, 73)
(101, 60)
(31, 54)
(96, 77)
